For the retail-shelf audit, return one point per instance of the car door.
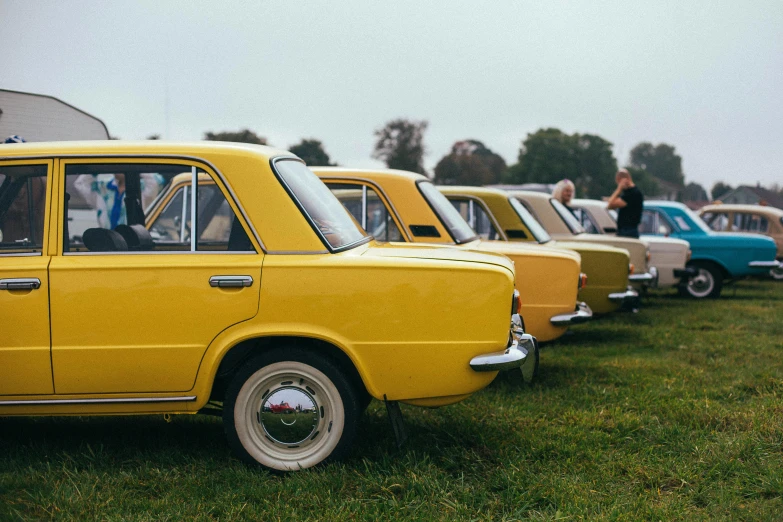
(25, 363)
(135, 314)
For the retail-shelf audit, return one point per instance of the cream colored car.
(668, 255)
(756, 219)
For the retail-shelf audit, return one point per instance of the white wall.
(42, 118)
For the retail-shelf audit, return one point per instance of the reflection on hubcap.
(702, 283)
(289, 415)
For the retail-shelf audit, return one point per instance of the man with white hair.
(628, 200)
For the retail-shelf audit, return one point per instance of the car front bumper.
(581, 313)
(514, 356)
(629, 295)
(650, 278)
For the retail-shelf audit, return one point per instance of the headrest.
(136, 236)
(103, 240)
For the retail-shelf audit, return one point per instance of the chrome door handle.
(230, 281)
(20, 283)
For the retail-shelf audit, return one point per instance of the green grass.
(674, 413)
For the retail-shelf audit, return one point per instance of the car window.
(458, 228)
(380, 223)
(532, 224)
(717, 221)
(320, 206)
(682, 223)
(478, 218)
(567, 217)
(369, 210)
(111, 197)
(584, 218)
(653, 223)
(750, 222)
(22, 208)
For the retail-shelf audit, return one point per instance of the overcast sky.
(706, 77)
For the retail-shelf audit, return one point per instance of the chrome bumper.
(581, 314)
(628, 295)
(765, 264)
(651, 277)
(512, 357)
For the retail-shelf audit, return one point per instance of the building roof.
(773, 199)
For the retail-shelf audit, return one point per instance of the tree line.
(545, 156)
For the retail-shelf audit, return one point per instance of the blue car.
(715, 257)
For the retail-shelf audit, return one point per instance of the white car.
(667, 254)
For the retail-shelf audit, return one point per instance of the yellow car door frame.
(25, 362)
(140, 322)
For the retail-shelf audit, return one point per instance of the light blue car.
(715, 257)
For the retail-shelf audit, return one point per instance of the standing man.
(628, 200)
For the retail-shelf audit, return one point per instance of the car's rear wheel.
(530, 368)
(707, 283)
(776, 274)
(290, 410)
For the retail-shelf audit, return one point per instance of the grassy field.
(674, 413)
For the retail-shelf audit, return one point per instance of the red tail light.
(582, 280)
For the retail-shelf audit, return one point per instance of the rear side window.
(118, 207)
(478, 218)
(717, 221)
(368, 209)
(322, 208)
(22, 208)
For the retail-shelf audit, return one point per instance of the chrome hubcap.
(701, 284)
(289, 416)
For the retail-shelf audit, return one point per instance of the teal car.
(715, 258)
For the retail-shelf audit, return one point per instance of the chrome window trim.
(163, 253)
(273, 163)
(193, 210)
(297, 252)
(364, 207)
(123, 400)
(388, 203)
(22, 254)
(153, 156)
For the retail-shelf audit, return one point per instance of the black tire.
(530, 369)
(325, 406)
(707, 284)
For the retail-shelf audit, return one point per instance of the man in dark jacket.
(628, 200)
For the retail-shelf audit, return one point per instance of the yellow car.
(495, 214)
(400, 206)
(260, 292)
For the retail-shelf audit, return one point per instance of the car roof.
(588, 202)
(377, 174)
(120, 147)
(664, 203)
(476, 191)
(762, 209)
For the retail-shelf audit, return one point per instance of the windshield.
(325, 211)
(529, 221)
(570, 221)
(695, 219)
(450, 217)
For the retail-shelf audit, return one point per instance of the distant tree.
(312, 152)
(719, 189)
(470, 162)
(400, 144)
(242, 136)
(659, 160)
(550, 155)
(645, 182)
(694, 192)
(153, 137)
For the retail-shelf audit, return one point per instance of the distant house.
(37, 117)
(747, 195)
(666, 190)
